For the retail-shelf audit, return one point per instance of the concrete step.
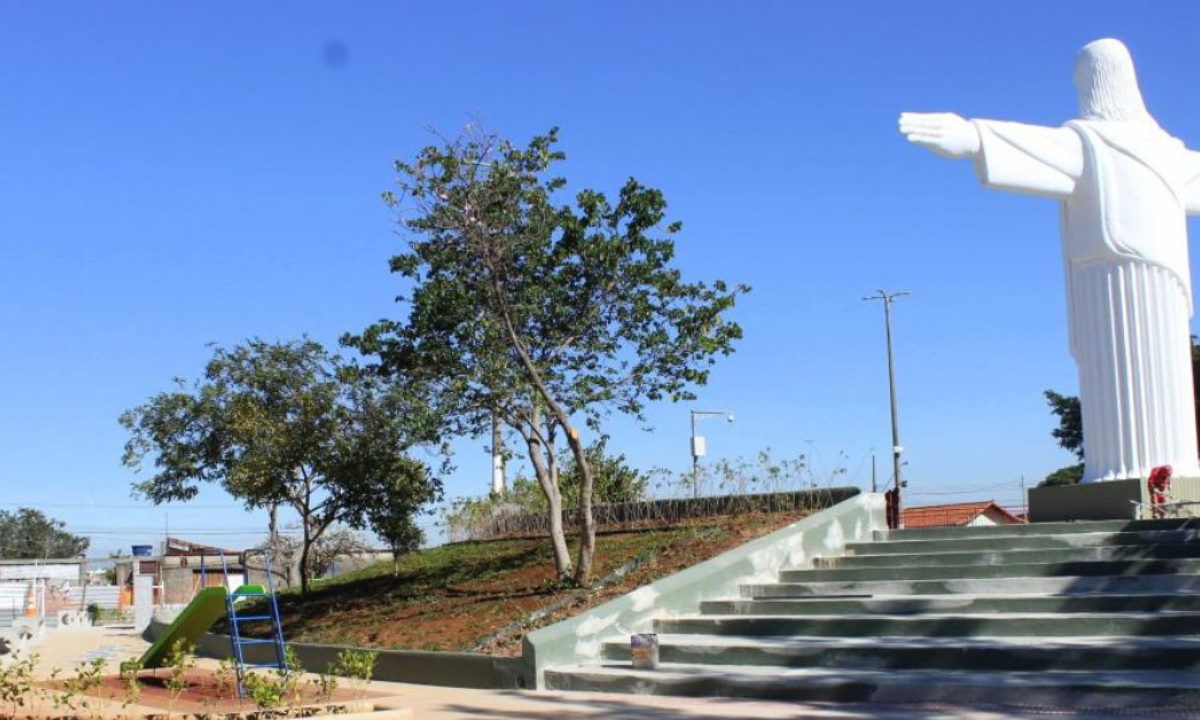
(1139, 689)
(948, 572)
(1157, 623)
(1059, 585)
(952, 555)
(1063, 528)
(1024, 542)
(1016, 653)
(959, 604)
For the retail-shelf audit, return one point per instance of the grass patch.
(454, 597)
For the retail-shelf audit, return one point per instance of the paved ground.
(66, 648)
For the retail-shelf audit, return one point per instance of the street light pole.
(887, 299)
(698, 445)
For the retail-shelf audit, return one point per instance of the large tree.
(283, 423)
(544, 313)
(28, 534)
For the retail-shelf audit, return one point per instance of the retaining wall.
(448, 669)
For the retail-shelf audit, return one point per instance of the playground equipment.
(214, 603)
(238, 642)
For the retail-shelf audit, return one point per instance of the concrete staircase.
(1100, 614)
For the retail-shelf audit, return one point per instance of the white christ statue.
(1125, 188)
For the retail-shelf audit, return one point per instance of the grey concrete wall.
(1112, 500)
(579, 639)
(177, 585)
(143, 601)
(449, 669)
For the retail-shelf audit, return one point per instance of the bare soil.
(456, 597)
(203, 696)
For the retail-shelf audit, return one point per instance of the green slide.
(205, 609)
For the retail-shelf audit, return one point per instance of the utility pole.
(499, 482)
(887, 299)
(874, 487)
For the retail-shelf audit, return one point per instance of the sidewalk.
(65, 648)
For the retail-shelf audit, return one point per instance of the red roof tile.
(956, 514)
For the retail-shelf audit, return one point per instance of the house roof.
(956, 514)
(178, 546)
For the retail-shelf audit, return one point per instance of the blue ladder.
(235, 631)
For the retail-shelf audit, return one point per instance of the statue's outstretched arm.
(944, 134)
(1008, 156)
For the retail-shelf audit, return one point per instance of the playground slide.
(205, 609)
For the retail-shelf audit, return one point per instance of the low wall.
(448, 669)
(578, 640)
(1110, 500)
(513, 521)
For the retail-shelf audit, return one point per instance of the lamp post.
(887, 299)
(698, 445)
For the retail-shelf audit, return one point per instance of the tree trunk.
(587, 523)
(305, 547)
(558, 540)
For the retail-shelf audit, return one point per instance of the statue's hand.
(944, 134)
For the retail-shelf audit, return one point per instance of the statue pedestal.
(1110, 500)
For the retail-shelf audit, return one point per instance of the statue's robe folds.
(1125, 191)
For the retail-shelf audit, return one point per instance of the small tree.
(1069, 432)
(613, 481)
(338, 542)
(278, 423)
(547, 316)
(28, 534)
(393, 516)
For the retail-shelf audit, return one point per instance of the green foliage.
(1069, 475)
(266, 691)
(325, 684)
(129, 678)
(27, 534)
(290, 675)
(88, 677)
(357, 665)
(1069, 432)
(539, 312)
(179, 662)
(613, 481)
(16, 682)
(225, 677)
(393, 514)
(104, 616)
(283, 423)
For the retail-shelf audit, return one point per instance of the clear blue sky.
(178, 174)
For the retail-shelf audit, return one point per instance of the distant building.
(969, 514)
(183, 569)
(52, 583)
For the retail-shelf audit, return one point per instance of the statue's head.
(1107, 84)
